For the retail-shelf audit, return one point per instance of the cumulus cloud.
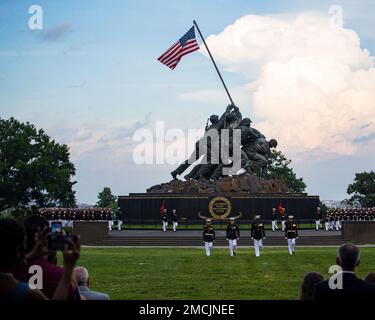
(162, 141)
(215, 98)
(87, 139)
(311, 85)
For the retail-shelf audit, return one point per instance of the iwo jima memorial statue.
(226, 183)
(215, 187)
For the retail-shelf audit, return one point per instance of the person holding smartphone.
(35, 229)
(12, 248)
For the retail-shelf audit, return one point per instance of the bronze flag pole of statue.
(213, 61)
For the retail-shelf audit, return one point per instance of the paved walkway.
(219, 233)
(193, 238)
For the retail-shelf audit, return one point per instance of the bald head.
(82, 276)
(348, 256)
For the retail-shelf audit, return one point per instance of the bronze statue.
(255, 152)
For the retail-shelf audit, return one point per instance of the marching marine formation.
(233, 235)
(208, 237)
(258, 234)
(291, 234)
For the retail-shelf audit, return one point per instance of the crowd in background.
(75, 214)
(68, 215)
(353, 214)
(335, 217)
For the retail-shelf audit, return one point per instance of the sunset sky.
(91, 78)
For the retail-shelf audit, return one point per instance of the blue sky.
(94, 66)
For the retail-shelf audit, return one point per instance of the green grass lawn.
(189, 274)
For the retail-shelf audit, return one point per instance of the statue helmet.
(246, 122)
(214, 118)
(273, 143)
(231, 117)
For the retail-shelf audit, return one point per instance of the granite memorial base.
(91, 231)
(146, 206)
(359, 231)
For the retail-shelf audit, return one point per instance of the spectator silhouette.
(12, 250)
(308, 284)
(370, 277)
(82, 277)
(52, 274)
(348, 259)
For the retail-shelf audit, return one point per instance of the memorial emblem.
(220, 207)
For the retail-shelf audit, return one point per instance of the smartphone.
(56, 227)
(58, 239)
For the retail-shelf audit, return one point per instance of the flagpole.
(213, 61)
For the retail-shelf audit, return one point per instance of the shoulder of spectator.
(103, 295)
(320, 289)
(370, 285)
(35, 295)
(321, 285)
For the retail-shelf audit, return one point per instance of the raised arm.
(221, 123)
(237, 113)
(71, 255)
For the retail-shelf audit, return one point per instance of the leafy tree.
(363, 189)
(34, 170)
(280, 168)
(106, 199)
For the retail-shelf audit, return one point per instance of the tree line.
(36, 171)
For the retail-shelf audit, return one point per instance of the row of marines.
(257, 235)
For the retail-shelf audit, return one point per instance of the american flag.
(187, 44)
